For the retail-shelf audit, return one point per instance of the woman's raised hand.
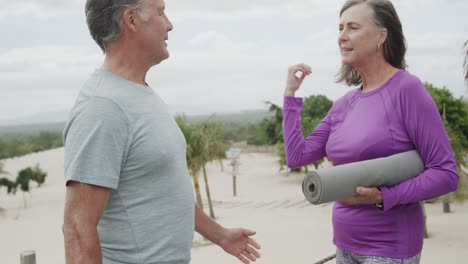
(296, 74)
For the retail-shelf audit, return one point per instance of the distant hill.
(31, 129)
(39, 118)
(233, 119)
(228, 119)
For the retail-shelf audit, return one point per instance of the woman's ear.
(383, 36)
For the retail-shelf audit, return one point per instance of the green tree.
(265, 133)
(22, 180)
(24, 176)
(2, 149)
(455, 116)
(314, 109)
(455, 112)
(269, 130)
(214, 149)
(38, 175)
(275, 132)
(279, 147)
(10, 185)
(205, 143)
(194, 154)
(216, 145)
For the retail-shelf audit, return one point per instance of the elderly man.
(129, 196)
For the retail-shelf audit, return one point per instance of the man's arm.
(235, 241)
(84, 206)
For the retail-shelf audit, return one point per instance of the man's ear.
(130, 18)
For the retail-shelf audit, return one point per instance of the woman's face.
(359, 36)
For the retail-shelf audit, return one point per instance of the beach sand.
(270, 202)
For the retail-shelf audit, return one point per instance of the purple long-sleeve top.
(396, 117)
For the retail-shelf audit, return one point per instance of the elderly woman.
(390, 112)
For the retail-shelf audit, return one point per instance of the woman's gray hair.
(385, 16)
(104, 19)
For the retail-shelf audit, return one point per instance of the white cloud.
(43, 79)
(213, 9)
(241, 9)
(437, 57)
(40, 8)
(428, 3)
(215, 71)
(46, 61)
(435, 43)
(215, 67)
(242, 75)
(210, 39)
(184, 9)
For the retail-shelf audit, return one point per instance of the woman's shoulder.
(407, 83)
(344, 102)
(408, 89)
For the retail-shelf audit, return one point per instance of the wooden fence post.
(28, 257)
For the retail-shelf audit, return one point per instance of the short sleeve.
(96, 140)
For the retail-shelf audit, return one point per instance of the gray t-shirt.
(120, 135)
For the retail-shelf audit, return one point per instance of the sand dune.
(270, 202)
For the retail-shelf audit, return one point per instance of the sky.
(226, 55)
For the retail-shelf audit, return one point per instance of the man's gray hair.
(104, 19)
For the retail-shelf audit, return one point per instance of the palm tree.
(194, 165)
(204, 159)
(215, 149)
(194, 149)
(11, 186)
(24, 176)
(38, 175)
(216, 146)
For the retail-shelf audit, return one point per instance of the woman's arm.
(427, 132)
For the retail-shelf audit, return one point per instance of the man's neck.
(126, 65)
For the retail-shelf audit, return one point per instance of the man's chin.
(165, 54)
(161, 58)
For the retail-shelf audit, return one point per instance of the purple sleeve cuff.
(292, 103)
(389, 200)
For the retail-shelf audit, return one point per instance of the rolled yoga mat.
(340, 182)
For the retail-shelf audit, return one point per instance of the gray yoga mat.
(340, 182)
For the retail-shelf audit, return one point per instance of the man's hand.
(235, 241)
(365, 195)
(238, 242)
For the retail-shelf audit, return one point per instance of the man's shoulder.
(101, 91)
(100, 84)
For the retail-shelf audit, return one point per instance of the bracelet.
(379, 205)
